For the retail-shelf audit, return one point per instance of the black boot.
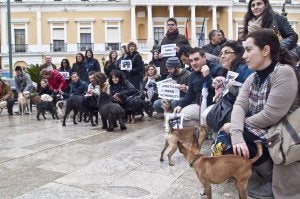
(264, 189)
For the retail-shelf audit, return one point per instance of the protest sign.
(65, 74)
(168, 50)
(169, 91)
(126, 65)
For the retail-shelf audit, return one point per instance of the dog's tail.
(259, 151)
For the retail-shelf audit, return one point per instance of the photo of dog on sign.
(126, 65)
(174, 120)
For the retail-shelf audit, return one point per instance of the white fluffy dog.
(2, 105)
(61, 108)
(24, 102)
(46, 98)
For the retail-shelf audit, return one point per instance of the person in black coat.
(80, 68)
(77, 87)
(261, 15)
(45, 88)
(111, 64)
(136, 73)
(91, 63)
(172, 37)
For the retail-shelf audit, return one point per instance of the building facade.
(62, 28)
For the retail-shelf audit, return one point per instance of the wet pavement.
(43, 159)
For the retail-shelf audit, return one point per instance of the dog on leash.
(61, 108)
(44, 106)
(3, 104)
(134, 106)
(24, 102)
(218, 169)
(110, 112)
(189, 135)
(77, 104)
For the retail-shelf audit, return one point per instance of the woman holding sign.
(133, 66)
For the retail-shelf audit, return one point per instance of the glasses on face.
(171, 24)
(226, 53)
(256, 4)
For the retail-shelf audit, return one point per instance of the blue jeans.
(157, 105)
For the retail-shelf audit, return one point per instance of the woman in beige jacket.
(265, 98)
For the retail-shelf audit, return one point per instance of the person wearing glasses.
(231, 58)
(261, 15)
(172, 37)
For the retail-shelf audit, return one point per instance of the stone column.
(4, 45)
(133, 24)
(39, 29)
(230, 26)
(214, 17)
(171, 11)
(193, 26)
(150, 40)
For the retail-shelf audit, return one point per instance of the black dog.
(79, 104)
(44, 106)
(110, 111)
(134, 106)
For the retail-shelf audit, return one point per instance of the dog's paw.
(104, 127)
(161, 159)
(64, 124)
(123, 128)
(171, 164)
(109, 129)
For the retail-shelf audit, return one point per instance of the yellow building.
(62, 28)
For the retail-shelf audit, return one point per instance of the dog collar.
(194, 160)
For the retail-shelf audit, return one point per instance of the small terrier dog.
(24, 102)
(219, 84)
(190, 135)
(218, 169)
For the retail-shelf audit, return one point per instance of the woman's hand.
(241, 149)
(226, 127)
(177, 109)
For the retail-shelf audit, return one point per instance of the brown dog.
(218, 169)
(188, 135)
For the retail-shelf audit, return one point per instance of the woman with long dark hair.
(261, 15)
(80, 68)
(111, 64)
(91, 63)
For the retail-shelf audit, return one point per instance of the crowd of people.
(263, 58)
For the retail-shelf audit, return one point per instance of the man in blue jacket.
(200, 77)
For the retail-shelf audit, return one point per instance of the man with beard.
(172, 37)
(179, 76)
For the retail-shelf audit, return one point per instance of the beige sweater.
(283, 96)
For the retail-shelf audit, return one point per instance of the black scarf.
(172, 35)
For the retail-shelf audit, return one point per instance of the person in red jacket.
(56, 80)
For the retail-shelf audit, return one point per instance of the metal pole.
(9, 39)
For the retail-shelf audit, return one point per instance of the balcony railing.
(85, 46)
(20, 48)
(112, 46)
(58, 48)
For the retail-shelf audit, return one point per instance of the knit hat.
(173, 62)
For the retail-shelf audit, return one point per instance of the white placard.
(168, 80)
(169, 91)
(126, 65)
(65, 74)
(231, 75)
(175, 120)
(168, 50)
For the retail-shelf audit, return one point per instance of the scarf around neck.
(254, 24)
(173, 34)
